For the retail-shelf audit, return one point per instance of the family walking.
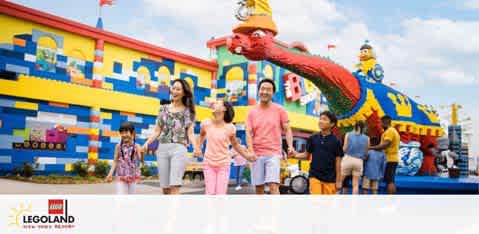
(332, 162)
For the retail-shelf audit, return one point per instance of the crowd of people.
(333, 160)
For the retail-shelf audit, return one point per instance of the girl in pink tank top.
(219, 133)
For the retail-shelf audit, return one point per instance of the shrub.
(81, 168)
(145, 170)
(102, 168)
(26, 170)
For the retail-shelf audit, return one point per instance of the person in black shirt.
(325, 152)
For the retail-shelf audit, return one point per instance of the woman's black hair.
(360, 125)
(229, 112)
(127, 127)
(165, 101)
(188, 99)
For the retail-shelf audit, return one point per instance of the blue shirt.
(374, 167)
(324, 150)
(357, 145)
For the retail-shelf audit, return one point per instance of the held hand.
(295, 155)
(291, 152)
(144, 149)
(109, 178)
(251, 157)
(197, 153)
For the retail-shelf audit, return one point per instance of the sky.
(428, 48)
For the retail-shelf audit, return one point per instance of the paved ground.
(8, 186)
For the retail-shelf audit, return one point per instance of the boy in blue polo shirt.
(325, 152)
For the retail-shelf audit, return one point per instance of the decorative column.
(252, 85)
(98, 64)
(94, 135)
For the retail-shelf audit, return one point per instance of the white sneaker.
(238, 187)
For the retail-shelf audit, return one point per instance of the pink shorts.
(216, 179)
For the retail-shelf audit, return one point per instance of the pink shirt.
(266, 125)
(218, 141)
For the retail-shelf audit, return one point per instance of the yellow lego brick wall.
(72, 43)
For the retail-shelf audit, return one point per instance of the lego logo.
(56, 207)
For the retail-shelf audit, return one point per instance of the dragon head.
(253, 38)
(254, 45)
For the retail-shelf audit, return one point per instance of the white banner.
(239, 214)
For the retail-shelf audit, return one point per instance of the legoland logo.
(57, 216)
(55, 206)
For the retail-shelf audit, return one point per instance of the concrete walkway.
(144, 187)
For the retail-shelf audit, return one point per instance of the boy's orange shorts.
(320, 187)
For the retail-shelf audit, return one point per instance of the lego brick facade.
(64, 90)
(64, 95)
(238, 79)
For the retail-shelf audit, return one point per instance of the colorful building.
(65, 87)
(237, 80)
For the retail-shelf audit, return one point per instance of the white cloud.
(444, 34)
(471, 4)
(423, 52)
(435, 50)
(199, 16)
(452, 76)
(141, 31)
(202, 20)
(301, 20)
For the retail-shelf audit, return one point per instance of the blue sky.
(428, 47)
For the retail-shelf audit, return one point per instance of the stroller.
(293, 179)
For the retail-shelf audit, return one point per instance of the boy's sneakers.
(238, 188)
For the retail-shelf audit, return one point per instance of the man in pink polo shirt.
(264, 126)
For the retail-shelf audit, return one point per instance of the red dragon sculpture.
(345, 92)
